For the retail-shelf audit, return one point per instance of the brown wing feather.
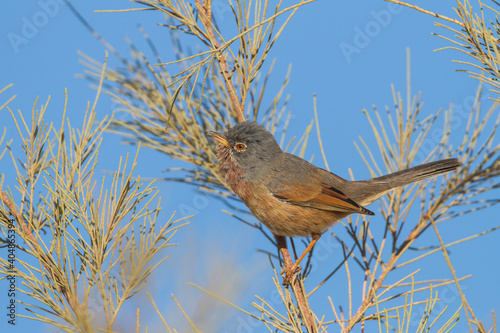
(323, 197)
(309, 186)
(333, 197)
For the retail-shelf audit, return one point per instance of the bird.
(291, 196)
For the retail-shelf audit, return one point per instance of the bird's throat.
(230, 170)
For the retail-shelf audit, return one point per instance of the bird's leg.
(281, 241)
(292, 269)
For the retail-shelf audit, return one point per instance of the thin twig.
(44, 258)
(427, 12)
(462, 296)
(372, 290)
(206, 16)
(341, 324)
(193, 326)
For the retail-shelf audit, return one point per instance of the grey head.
(250, 146)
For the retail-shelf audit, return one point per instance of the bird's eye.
(240, 146)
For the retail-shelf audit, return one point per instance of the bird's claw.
(289, 273)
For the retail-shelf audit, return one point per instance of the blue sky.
(347, 53)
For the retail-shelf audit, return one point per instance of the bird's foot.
(290, 273)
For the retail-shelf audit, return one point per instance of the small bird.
(291, 196)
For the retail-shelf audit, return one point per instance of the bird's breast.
(232, 173)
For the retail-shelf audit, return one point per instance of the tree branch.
(47, 261)
(298, 289)
(205, 10)
(372, 291)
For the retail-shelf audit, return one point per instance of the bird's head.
(249, 145)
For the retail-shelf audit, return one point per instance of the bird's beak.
(219, 137)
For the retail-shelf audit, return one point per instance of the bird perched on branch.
(291, 196)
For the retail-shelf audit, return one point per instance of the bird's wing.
(306, 187)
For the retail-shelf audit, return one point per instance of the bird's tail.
(376, 187)
(418, 173)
